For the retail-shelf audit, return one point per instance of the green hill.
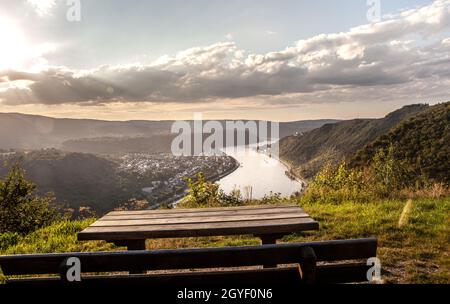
(309, 151)
(77, 179)
(422, 143)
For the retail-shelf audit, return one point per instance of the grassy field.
(412, 250)
(414, 236)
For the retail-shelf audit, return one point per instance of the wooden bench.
(306, 258)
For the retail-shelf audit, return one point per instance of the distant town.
(165, 173)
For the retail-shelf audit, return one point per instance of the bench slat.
(257, 278)
(342, 273)
(326, 274)
(190, 258)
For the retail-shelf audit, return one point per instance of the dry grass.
(435, 191)
(405, 214)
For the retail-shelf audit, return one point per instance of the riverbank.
(173, 201)
(290, 170)
(226, 173)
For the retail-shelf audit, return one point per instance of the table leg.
(136, 245)
(270, 239)
(132, 245)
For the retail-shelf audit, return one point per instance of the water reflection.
(258, 175)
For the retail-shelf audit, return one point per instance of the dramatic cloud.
(405, 56)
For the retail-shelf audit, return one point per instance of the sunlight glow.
(16, 52)
(12, 52)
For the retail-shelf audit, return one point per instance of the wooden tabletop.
(148, 224)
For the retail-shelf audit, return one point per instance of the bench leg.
(270, 239)
(307, 263)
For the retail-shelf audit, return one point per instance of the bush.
(8, 239)
(387, 173)
(337, 184)
(384, 178)
(203, 194)
(20, 210)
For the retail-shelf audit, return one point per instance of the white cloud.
(403, 57)
(42, 7)
(229, 36)
(271, 33)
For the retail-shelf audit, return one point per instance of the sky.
(250, 59)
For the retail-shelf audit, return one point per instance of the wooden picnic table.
(132, 228)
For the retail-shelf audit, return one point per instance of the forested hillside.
(77, 179)
(308, 152)
(421, 144)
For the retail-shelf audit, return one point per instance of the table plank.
(200, 210)
(261, 212)
(257, 227)
(207, 219)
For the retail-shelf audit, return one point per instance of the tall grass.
(384, 178)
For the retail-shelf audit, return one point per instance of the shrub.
(383, 178)
(388, 175)
(8, 239)
(336, 184)
(20, 210)
(203, 194)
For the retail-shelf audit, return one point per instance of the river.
(258, 175)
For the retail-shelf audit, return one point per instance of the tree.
(20, 210)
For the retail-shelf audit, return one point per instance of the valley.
(102, 183)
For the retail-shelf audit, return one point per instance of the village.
(163, 175)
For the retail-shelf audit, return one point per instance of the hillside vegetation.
(76, 179)
(421, 144)
(309, 151)
(90, 183)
